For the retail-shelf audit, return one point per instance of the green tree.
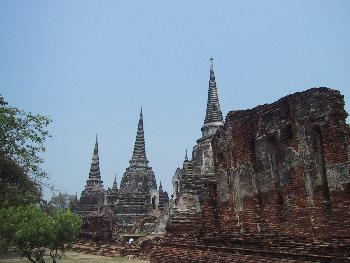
(35, 232)
(16, 188)
(64, 228)
(62, 201)
(22, 137)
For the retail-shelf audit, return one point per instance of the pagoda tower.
(92, 196)
(115, 185)
(163, 197)
(202, 154)
(112, 194)
(139, 177)
(137, 185)
(198, 170)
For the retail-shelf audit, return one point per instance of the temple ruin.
(280, 190)
(138, 201)
(268, 184)
(92, 196)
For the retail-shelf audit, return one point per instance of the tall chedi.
(138, 186)
(194, 180)
(202, 154)
(93, 195)
(138, 178)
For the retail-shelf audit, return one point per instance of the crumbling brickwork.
(283, 168)
(282, 189)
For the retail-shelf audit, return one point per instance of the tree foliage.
(62, 201)
(64, 228)
(22, 137)
(16, 188)
(23, 223)
(35, 232)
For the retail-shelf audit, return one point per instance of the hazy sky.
(91, 65)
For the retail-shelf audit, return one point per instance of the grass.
(71, 256)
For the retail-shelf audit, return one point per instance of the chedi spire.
(115, 185)
(94, 180)
(139, 154)
(213, 117)
(95, 163)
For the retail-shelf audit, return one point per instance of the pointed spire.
(96, 147)
(213, 113)
(213, 116)
(186, 158)
(160, 189)
(94, 181)
(139, 154)
(95, 163)
(115, 185)
(212, 74)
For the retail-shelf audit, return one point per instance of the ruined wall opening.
(317, 145)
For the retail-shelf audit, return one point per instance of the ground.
(79, 257)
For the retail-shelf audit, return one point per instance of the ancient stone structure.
(163, 198)
(190, 181)
(98, 226)
(282, 188)
(138, 194)
(112, 195)
(92, 196)
(136, 202)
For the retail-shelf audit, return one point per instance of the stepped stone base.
(215, 254)
(108, 250)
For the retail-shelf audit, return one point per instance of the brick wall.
(282, 187)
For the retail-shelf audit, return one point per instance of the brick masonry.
(282, 188)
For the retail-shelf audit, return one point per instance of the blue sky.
(91, 65)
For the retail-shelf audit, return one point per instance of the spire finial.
(96, 136)
(96, 146)
(211, 64)
(186, 158)
(160, 184)
(114, 185)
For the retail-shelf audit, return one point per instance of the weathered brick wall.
(285, 167)
(282, 190)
